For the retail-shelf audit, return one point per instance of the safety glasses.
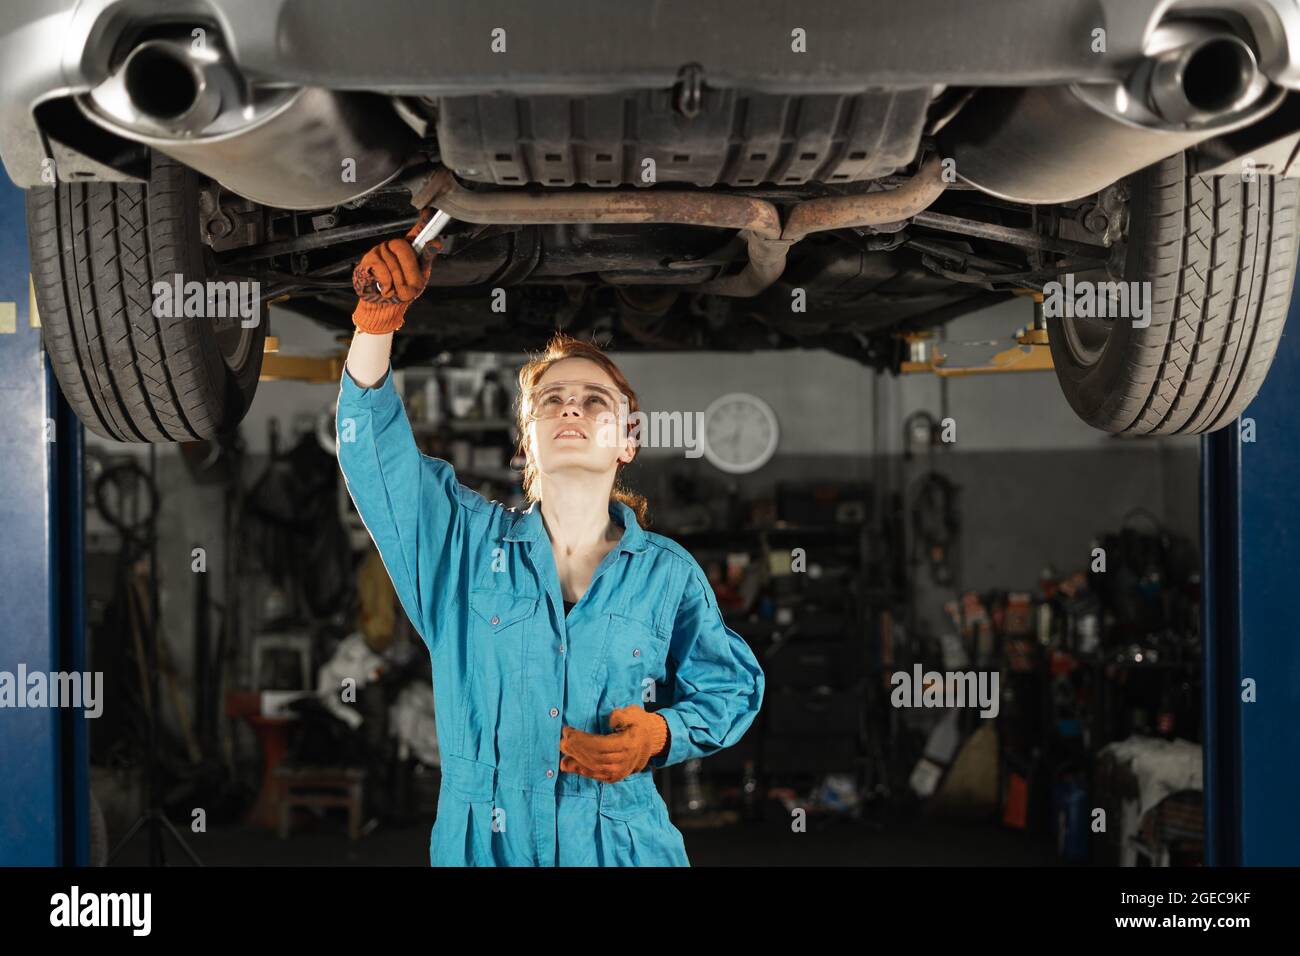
(595, 401)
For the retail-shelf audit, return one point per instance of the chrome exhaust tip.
(1053, 144)
(1202, 77)
(294, 148)
(163, 85)
(167, 88)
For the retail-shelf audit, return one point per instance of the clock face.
(740, 433)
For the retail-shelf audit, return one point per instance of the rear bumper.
(50, 48)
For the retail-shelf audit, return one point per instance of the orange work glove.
(636, 736)
(402, 276)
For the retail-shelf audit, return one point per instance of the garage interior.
(915, 522)
(1120, 589)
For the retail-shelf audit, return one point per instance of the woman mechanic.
(572, 650)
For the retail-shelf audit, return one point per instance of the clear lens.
(595, 401)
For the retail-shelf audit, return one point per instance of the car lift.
(1250, 542)
(1031, 353)
(45, 790)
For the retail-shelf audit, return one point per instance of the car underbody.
(710, 180)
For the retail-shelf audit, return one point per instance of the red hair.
(562, 346)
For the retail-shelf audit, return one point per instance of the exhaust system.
(287, 148)
(297, 148)
(306, 148)
(1053, 144)
(758, 221)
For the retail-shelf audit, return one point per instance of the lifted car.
(664, 176)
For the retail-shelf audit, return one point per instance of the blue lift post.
(44, 786)
(1250, 538)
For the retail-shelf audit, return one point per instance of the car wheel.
(129, 372)
(1219, 253)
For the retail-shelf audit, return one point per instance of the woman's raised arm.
(410, 502)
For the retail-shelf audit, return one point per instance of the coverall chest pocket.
(501, 622)
(634, 659)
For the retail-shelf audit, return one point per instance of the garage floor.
(921, 843)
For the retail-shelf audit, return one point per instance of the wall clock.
(740, 433)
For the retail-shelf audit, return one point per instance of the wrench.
(430, 232)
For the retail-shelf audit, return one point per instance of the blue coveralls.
(480, 585)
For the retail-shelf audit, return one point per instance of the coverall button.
(495, 620)
(550, 773)
(555, 712)
(561, 648)
(636, 652)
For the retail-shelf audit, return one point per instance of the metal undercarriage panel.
(734, 137)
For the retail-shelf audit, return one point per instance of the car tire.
(97, 250)
(1220, 254)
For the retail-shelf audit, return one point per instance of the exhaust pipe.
(172, 91)
(541, 208)
(1199, 76)
(767, 255)
(758, 222)
(298, 148)
(1053, 144)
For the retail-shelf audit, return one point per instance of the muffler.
(1053, 144)
(295, 148)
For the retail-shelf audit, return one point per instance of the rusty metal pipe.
(757, 220)
(767, 256)
(868, 209)
(765, 265)
(566, 206)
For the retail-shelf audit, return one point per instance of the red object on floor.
(1016, 809)
(273, 737)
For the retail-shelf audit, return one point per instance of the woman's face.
(579, 428)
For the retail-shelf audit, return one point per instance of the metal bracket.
(299, 368)
(1030, 354)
